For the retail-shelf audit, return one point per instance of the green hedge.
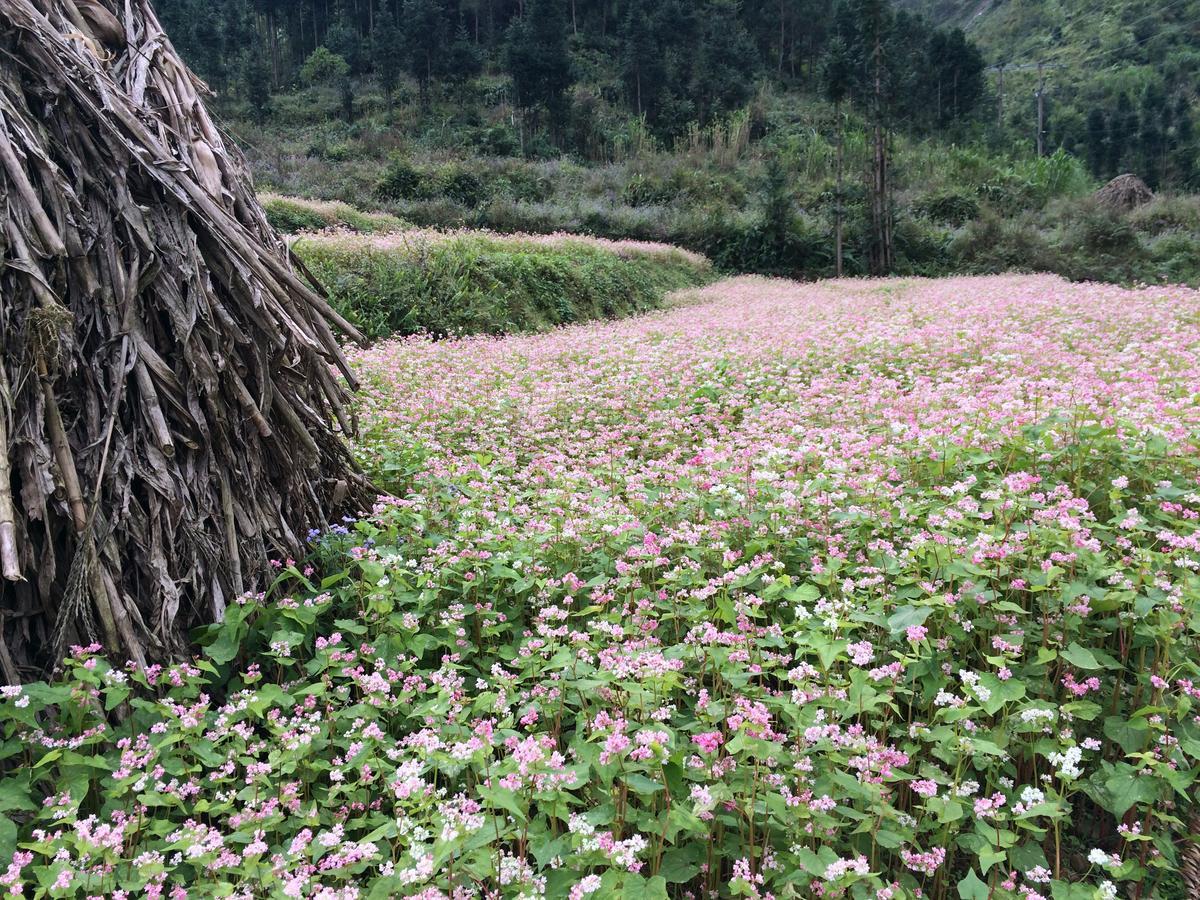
(465, 284)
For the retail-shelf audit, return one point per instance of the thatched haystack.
(166, 390)
(1125, 192)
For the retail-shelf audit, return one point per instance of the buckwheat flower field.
(861, 589)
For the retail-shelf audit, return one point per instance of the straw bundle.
(1125, 192)
(167, 382)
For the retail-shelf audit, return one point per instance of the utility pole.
(1042, 67)
(1041, 111)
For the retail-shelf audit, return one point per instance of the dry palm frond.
(167, 381)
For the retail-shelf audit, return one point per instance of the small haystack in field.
(167, 380)
(1125, 192)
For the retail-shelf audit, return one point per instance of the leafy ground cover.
(467, 282)
(862, 589)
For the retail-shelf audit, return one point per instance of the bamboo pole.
(10, 562)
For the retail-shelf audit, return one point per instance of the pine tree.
(674, 27)
(343, 39)
(837, 76)
(424, 29)
(387, 52)
(726, 61)
(1097, 142)
(641, 55)
(1152, 138)
(1122, 134)
(957, 74)
(539, 62)
(462, 60)
(778, 221)
(256, 75)
(1183, 144)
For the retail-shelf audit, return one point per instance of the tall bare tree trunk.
(839, 214)
(1041, 112)
(782, 36)
(274, 38)
(881, 244)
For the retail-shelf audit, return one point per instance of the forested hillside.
(794, 137)
(1120, 77)
(572, 65)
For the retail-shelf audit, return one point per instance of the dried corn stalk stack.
(1189, 864)
(166, 385)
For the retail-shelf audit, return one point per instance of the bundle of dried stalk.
(167, 384)
(1125, 192)
(1189, 861)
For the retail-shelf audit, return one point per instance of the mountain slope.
(1118, 81)
(1079, 34)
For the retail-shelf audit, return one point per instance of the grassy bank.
(479, 283)
(291, 215)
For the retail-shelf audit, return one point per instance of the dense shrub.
(323, 67)
(948, 207)
(467, 187)
(510, 216)
(460, 185)
(330, 152)
(797, 248)
(498, 140)
(921, 248)
(1030, 184)
(289, 216)
(1085, 241)
(401, 180)
(994, 243)
(1167, 213)
(522, 183)
(1104, 233)
(1173, 258)
(644, 190)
